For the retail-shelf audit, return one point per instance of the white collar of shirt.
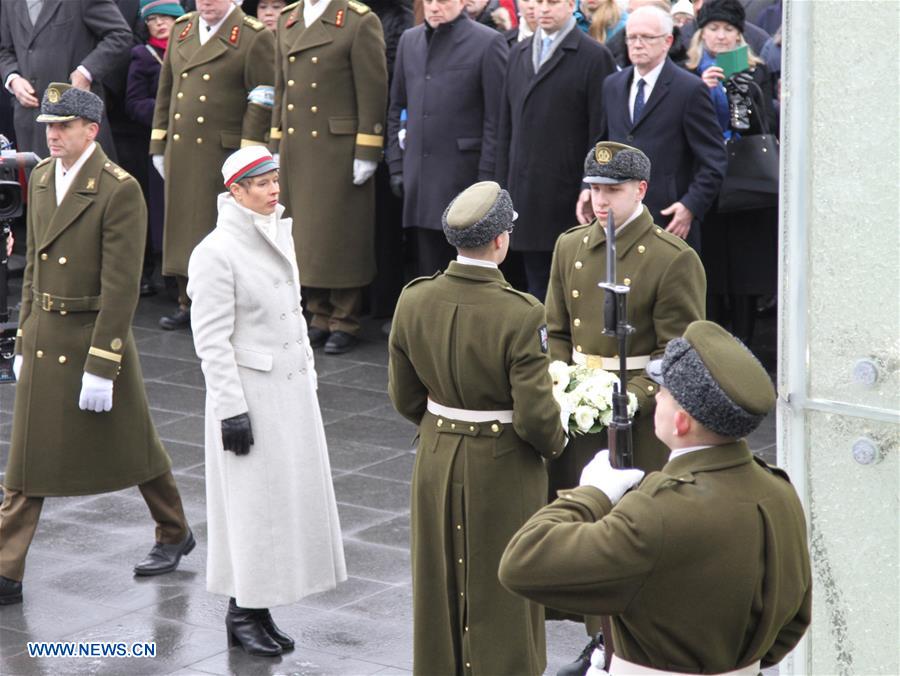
(65, 178)
(205, 34)
(524, 31)
(685, 451)
(637, 212)
(313, 12)
(465, 260)
(649, 83)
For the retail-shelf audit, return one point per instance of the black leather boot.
(245, 628)
(282, 639)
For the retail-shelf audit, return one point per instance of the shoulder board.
(254, 23)
(577, 227)
(669, 238)
(422, 279)
(358, 7)
(522, 294)
(116, 171)
(184, 17)
(777, 471)
(291, 6)
(654, 482)
(42, 163)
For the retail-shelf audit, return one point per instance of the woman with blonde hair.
(606, 19)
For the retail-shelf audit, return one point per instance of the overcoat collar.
(636, 230)
(709, 460)
(234, 219)
(322, 30)
(79, 197)
(226, 38)
(660, 91)
(475, 273)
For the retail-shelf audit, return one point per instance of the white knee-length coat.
(273, 528)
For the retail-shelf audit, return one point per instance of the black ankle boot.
(282, 639)
(245, 628)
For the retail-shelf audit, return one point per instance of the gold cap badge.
(53, 95)
(603, 155)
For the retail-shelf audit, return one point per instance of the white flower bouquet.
(585, 397)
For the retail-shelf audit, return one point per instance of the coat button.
(202, 98)
(440, 422)
(578, 348)
(290, 106)
(292, 59)
(314, 109)
(290, 130)
(184, 76)
(578, 265)
(290, 375)
(642, 248)
(627, 281)
(206, 76)
(286, 345)
(314, 133)
(179, 95)
(62, 359)
(314, 84)
(584, 239)
(44, 256)
(200, 120)
(39, 354)
(649, 388)
(315, 59)
(459, 561)
(290, 83)
(175, 137)
(63, 313)
(199, 140)
(63, 260)
(495, 428)
(471, 428)
(177, 116)
(575, 293)
(283, 316)
(452, 426)
(576, 322)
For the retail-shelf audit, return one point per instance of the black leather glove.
(237, 435)
(397, 185)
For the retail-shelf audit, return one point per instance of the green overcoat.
(468, 340)
(330, 102)
(704, 568)
(668, 292)
(202, 116)
(84, 264)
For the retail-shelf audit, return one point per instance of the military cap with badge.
(63, 103)
(477, 215)
(613, 163)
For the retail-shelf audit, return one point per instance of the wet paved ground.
(79, 585)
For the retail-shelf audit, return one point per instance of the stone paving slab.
(79, 585)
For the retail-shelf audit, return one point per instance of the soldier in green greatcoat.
(704, 567)
(214, 97)
(81, 423)
(468, 365)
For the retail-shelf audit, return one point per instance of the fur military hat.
(729, 11)
(477, 215)
(63, 103)
(612, 163)
(716, 379)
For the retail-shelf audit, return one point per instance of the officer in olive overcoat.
(81, 423)
(214, 96)
(330, 103)
(704, 567)
(468, 365)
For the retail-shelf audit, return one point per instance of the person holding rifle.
(667, 292)
(704, 567)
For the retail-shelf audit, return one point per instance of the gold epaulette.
(116, 170)
(291, 6)
(184, 17)
(358, 7)
(254, 23)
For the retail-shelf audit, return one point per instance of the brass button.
(290, 130)
(314, 85)
(179, 95)
(290, 106)
(63, 260)
(468, 665)
(440, 422)
(578, 265)
(649, 388)
(452, 426)
(471, 428)
(584, 239)
(202, 98)
(575, 293)
(459, 561)
(44, 256)
(62, 359)
(578, 348)
(642, 248)
(199, 140)
(658, 230)
(495, 428)
(292, 59)
(290, 83)
(63, 313)
(576, 322)
(175, 137)
(177, 116)
(458, 527)
(116, 344)
(39, 354)
(314, 134)
(315, 59)
(466, 628)
(627, 281)
(206, 76)
(461, 593)
(314, 109)
(200, 120)
(184, 76)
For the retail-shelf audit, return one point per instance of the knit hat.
(716, 379)
(477, 215)
(247, 162)
(683, 7)
(166, 7)
(63, 103)
(729, 11)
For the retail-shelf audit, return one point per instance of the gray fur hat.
(716, 379)
(62, 103)
(477, 215)
(611, 163)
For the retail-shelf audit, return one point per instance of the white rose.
(559, 372)
(585, 417)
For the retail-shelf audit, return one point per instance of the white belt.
(468, 415)
(595, 361)
(620, 667)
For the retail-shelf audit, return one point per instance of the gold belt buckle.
(593, 361)
(46, 302)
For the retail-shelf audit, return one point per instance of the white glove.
(17, 365)
(613, 482)
(158, 161)
(96, 393)
(401, 139)
(363, 170)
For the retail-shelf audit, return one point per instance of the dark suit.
(451, 87)
(679, 132)
(543, 171)
(67, 34)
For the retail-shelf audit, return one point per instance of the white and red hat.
(247, 162)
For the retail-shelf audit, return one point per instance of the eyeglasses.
(642, 39)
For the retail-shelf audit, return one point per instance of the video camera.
(13, 166)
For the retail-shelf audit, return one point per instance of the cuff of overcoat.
(157, 146)
(369, 147)
(103, 367)
(590, 498)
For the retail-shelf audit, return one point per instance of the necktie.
(34, 9)
(638, 102)
(545, 48)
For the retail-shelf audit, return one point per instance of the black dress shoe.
(181, 319)
(340, 342)
(282, 639)
(583, 662)
(165, 558)
(317, 337)
(10, 591)
(147, 288)
(245, 628)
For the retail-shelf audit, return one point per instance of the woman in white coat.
(274, 535)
